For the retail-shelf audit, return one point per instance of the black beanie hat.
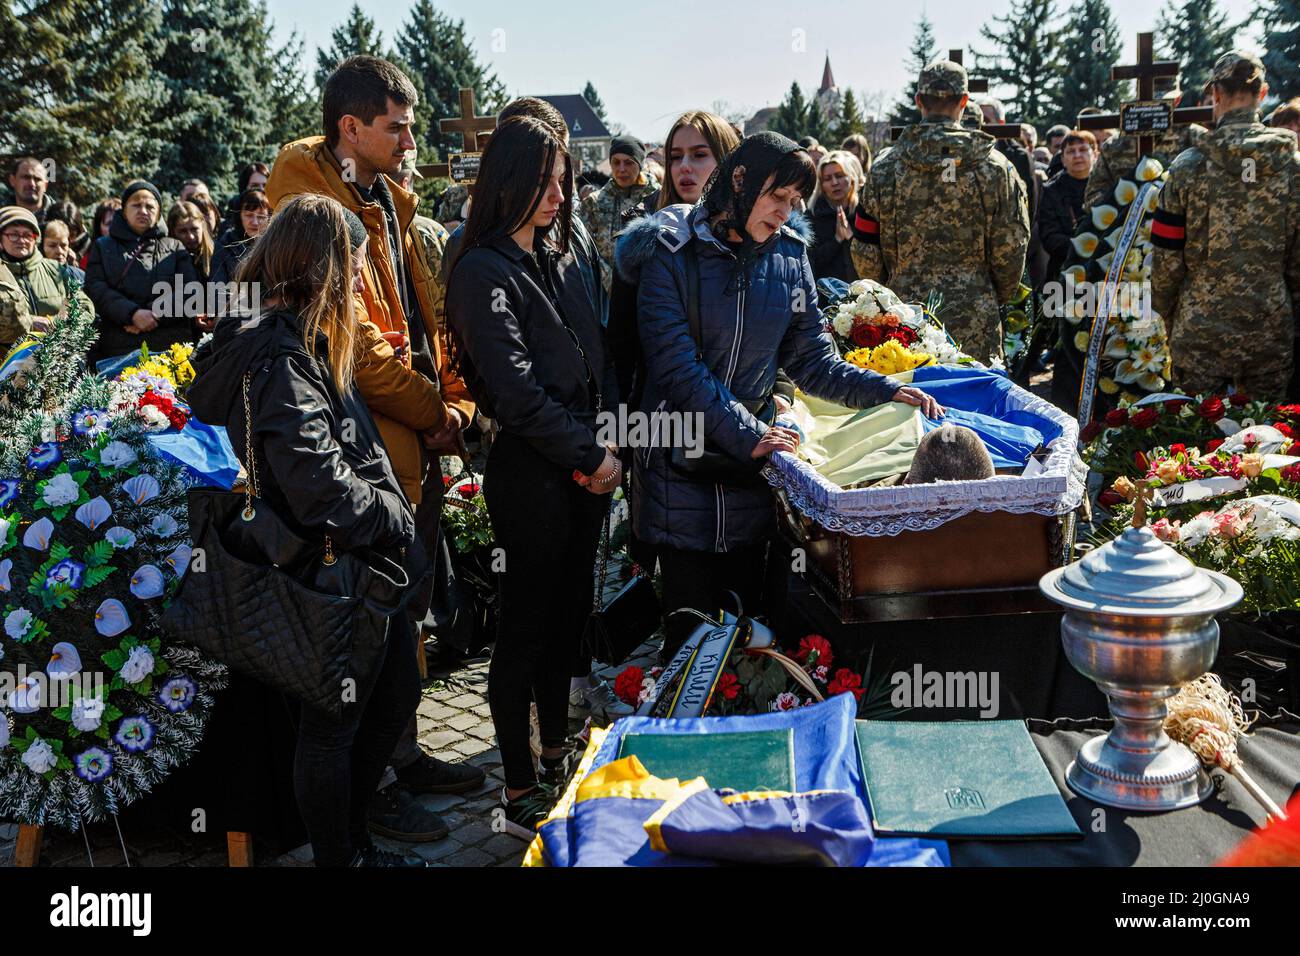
(356, 229)
(138, 185)
(630, 146)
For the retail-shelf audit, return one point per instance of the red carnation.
(845, 680)
(1145, 418)
(1291, 473)
(1285, 429)
(446, 481)
(468, 491)
(1211, 409)
(1117, 418)
(1288, 411)
(1090, 431)
(1177, 448)
(1239, 399)
(728, 686)
(627, 685)
(1213, 444)
(814, 651)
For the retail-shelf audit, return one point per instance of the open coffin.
(942, 549)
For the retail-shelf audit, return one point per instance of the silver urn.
(1139, 622)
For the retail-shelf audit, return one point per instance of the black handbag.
(618, 628)
(276, 607)
(714, 465)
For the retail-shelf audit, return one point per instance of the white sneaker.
(603, 702)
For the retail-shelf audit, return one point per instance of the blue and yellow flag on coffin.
(616, 813)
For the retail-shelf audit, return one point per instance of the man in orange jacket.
(418, 402)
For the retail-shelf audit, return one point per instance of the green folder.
(747, 760)
(981, 779)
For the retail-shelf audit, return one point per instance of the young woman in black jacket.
(531, 349)
(321, 466)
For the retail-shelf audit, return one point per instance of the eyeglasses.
(16, 235)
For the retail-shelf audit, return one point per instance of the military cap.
(1231, 62)
(943, 78)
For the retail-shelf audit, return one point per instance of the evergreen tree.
(357, 36)
(850, 119)
(816, 124)
(1196, 35)
(1090, 46)
(1027, 58)
(78, 86)
(1281, 20)
(921, 53)
(593, 98)
(295, 108)
(216, 116)
(792, 115)
(437, 55)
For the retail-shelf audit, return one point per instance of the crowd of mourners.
(523, 309)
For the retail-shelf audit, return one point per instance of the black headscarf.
(759, 154)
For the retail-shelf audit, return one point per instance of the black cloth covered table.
(1196, 836)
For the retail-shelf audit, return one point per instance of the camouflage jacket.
(1119, 158)
(434, 236)
(606, 213)
(15, 317)
(1226, 262)
(451, 203)
(945, 212)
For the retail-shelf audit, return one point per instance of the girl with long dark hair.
(530, 347)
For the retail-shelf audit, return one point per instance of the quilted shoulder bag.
(288, 612)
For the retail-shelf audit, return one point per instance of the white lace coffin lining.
(1055, 489)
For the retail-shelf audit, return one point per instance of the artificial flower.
(134, 734)
(177, 695)
(1117, 418)
(120, 537)
(67, 572)
(1229, 524)
(163, 525)
(813, 650)
(87, 713)
(90, 422)
(64, 661)
(139, 665)
(846, 680)
(1125, 488)
(27, 696)
(60, 490)
(8, 490)
(111, 618)
(94, 512)
(728, 686)
(5, 567)
(40, 756)
(117, 454)
(1211, 409)
(43, 456)
(627, 685)
(784, 701)
(38, 535)
(1165, 530)
(18, 622)
(1144, 417)
(94, 764)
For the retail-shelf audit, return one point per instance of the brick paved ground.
(453, 725)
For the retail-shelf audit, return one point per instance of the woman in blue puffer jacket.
(711, 517)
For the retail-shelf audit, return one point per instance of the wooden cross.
(1145, 71)
(474, 130)
(975, 85)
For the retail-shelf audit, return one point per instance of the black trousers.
(547, 527)
(338, 762)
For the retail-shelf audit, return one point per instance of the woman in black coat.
(127, 273)
(839, 179)
(531, 349)
(1061, 207)
(321, 467)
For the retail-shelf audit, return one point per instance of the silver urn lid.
(1138, 575)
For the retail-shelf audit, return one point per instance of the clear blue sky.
(651, 60)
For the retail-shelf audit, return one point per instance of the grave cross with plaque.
(462, 167)
(1146, 115)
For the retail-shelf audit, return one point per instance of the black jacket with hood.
(121, 274)
(321, 464)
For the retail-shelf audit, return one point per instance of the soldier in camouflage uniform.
(15, 317)
(451, 206)
(607, 211)
(945, 212)
(1226, 263)
(1118, 156)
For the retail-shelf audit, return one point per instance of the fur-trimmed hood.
(671, 226)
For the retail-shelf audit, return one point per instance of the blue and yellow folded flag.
(616, 813)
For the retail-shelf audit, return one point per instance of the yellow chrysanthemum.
(1108, 386)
